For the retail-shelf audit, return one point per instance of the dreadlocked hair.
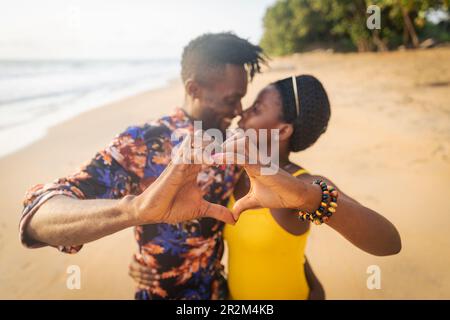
(212, 51)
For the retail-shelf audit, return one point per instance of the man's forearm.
(66, 221)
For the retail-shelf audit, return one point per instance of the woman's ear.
(192, 88)
(286, 130)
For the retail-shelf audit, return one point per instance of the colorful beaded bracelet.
(327, 206)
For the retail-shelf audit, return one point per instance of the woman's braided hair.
(314, 110)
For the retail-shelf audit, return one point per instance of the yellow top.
(265, 261)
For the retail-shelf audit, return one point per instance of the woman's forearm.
(64, 221)
(363, 227)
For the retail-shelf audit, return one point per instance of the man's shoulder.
(145, 131)
(148, 145)
(162, 127)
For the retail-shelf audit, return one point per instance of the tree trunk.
(381, 45)
(409, 26)
(363, 45)
(405, 35)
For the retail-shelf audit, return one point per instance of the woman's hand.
(272, 188)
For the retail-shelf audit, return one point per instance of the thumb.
(228, 158)
(219, 212)
(245, 203)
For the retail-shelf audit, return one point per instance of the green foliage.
(300, 25)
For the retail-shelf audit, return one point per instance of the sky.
(119, 29)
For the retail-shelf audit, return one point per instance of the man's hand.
(175, 195)
(143, 276)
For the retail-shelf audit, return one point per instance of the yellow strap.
(299, 172)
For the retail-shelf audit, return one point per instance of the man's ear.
(286, 130)
(192, 88)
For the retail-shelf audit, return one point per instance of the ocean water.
(35, 95)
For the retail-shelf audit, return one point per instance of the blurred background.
(75, 73)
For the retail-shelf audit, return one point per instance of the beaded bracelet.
(327, 206)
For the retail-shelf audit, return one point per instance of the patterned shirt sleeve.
(113, 173)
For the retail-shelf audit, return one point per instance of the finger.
(219, 212)
(245, 144)
(205, 186)
(240, 139)
(148, 284)
(202, 156)
(203, 146)
(192, 149)
(139, 276)
(245, 203)
(234, 144)
(235, 134)
(228, 158)
(201, 139)
(143, 272)
(179, 152)
(243, 147)
(136, 268)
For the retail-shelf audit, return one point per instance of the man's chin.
(221, 126)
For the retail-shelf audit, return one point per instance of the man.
(122, 184)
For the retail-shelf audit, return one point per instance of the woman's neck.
(284, 161)
(284, 155)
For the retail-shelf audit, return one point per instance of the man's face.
(220, 101)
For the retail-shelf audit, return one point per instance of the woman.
(266, 246)
(266, 259)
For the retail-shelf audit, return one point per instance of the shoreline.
(54, 157)
(42, 126)
(388, 137)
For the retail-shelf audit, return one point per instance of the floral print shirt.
(186, 255)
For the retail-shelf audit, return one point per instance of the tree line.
(299, 25)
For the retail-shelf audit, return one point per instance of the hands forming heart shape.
(175, 196)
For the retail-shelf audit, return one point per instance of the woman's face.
(265, 112)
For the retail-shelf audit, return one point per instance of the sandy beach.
(387, 145)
